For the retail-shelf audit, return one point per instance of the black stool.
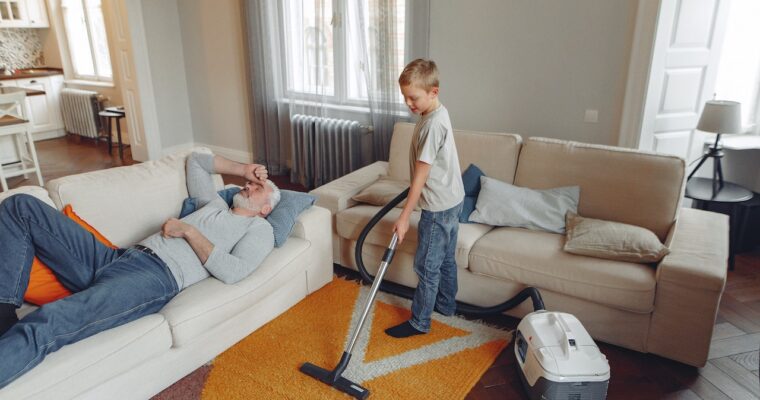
(110, 116)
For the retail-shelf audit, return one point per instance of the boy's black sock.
(403, 330)
(7, 317)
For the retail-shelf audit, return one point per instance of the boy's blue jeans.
(435, 266)
(110, 286)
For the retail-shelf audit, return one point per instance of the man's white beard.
(238, 201)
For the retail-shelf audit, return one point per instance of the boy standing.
(437, 186)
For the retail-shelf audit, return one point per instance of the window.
(86, 37)
(325, 56)
(739, 69)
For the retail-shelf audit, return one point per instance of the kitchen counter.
(13, 89)
(32, 73)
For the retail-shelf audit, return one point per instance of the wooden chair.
(14, 123)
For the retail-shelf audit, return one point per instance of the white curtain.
(329, 58)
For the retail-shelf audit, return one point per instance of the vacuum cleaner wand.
(334, 378)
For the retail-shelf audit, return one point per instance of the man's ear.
(266, 210)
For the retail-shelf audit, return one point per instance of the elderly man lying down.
(114, 286)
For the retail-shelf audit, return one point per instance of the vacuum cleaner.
(556, 358)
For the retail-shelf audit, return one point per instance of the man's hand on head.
(255, 173)
(174, 228)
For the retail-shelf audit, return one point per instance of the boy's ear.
(434, 91)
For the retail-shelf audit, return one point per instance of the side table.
(701, 191)
(111, 116)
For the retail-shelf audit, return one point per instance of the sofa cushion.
(382, 192)
(44, 286)
(502, 204)
(622, 185)
(612, 240)
(499, 161)
(87, 363)
(141, 196)
(471, 180)
(210, 302)
(282, 218)
(350, 222)
(536, 258)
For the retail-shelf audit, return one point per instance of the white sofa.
(139, 359)
(668, 310)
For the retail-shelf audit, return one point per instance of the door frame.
(144, 78)
(639, 68)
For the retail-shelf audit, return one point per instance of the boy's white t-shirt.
(433, 143)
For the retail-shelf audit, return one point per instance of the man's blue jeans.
(435, 266)
(110, 286)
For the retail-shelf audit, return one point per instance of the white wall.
(529, 67)
(167, 72)
(533, 66)
(215, 67)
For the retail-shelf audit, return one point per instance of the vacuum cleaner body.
(558, 360)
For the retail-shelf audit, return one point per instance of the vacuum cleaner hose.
(407, 292)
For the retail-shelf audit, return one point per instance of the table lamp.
(721, 117)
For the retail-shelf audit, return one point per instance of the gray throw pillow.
(502, 204)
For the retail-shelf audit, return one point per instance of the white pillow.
(502, 204)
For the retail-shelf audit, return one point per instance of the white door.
(682, 75)
(38, 106)
(142, 147)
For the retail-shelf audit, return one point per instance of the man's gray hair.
(275, 196)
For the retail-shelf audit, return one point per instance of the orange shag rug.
(444, 364)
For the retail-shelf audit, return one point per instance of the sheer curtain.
(333, 59)
(739, 69)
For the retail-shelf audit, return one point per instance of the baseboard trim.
(231, 154)
(178, 148)
(37, 136)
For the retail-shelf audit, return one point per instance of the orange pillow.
(44, 287)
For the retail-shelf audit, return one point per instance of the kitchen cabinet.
(36, 14)
(44, 112)
(23, 14)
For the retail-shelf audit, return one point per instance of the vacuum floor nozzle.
(328, 377)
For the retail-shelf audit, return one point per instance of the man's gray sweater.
(240, 243)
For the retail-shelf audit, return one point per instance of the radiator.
(324, 149)
(80, 112)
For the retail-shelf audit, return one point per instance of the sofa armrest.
(314, 225)
(336, 195)
(690, 282)
(35, 191)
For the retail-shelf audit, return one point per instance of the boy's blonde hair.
(421, 73)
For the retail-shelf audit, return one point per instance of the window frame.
(340, 97)
(98, 77)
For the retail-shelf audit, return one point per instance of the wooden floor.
(731, 373)
(71, 155)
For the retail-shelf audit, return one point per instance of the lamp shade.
(721, 116)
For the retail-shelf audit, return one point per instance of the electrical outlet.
(591, 116)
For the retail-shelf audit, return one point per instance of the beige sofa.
(667, 310)
(139, 359)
